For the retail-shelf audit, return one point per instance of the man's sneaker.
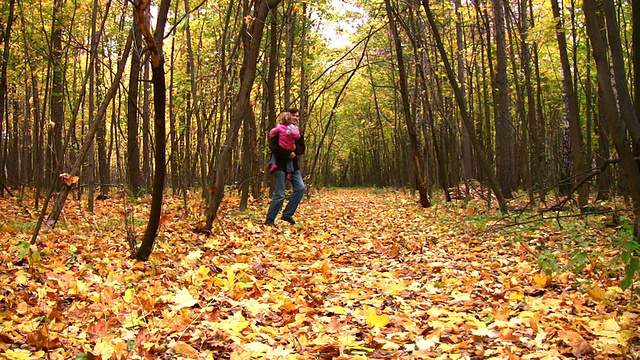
(270, 224)
(289, 219)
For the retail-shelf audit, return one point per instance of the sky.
(337, 33)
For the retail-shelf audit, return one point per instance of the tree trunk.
(288, 57)
(613, 120)
(4, 62)
(575, 132)
(136, 181)
(605, 179)
(86, 144)
(154, 43)
(406, 111)
(627, 111)
(247, 75)
(534, 148)
(195, 108)
(635, 9)
(56, 157)
(468, 124)
(505, 164)
(89, 172)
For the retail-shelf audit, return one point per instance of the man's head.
(295, 115)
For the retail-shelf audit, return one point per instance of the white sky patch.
(337, 32)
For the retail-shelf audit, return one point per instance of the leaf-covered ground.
(363, 275)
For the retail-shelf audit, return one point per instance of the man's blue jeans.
(281, 190)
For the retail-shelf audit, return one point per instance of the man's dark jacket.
(282, 155)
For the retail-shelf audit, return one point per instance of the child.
(288, 134)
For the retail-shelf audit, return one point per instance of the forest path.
(364, 274)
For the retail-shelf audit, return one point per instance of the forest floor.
(365, 274)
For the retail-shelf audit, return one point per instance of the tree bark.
(627, 111)
(154, 43)
(505, 164)
(406, 111)
(468, 124)
(136, 181)
(56, 154)
(86, 144)
(575, 132)
(613, 120)
(635, 39)
(3, 88)
(248, 74)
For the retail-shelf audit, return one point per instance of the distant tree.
(410, 121)
(575, 130)
(462, 105)
(134, 173)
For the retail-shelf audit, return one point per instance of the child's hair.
(284, 118)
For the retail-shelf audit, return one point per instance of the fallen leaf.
(183, 299)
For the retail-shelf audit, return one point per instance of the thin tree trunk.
(575, 132)
(466, 151)
(614, 122)
(86, 144)
(627, 111)
(136, 181)
(288, 58)
(302, 103)
(91, 156)
(505, 165)
(154, 44)
(3, 87)
(468, 124)
(534, 148)
(406, 110)
(57, 88)
(635, 39)
(248, 74)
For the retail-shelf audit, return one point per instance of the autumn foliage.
(364, 275)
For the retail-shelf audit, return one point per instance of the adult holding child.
(286, 144)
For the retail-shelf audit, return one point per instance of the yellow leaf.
(596, 294)
(534, 321)
(185, 349)
(461, 297)
(204, 271)
(231, 276)
(625, 337)
(104, 348)
(541, 280)
(515, 296)
(183, 299)
(611, 325)
(234, 324)
(18, 354)
(257, 347)
(128, 296)
(376, 320)
(427, 344)
(338, 310)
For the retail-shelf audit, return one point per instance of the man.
(282, 156)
